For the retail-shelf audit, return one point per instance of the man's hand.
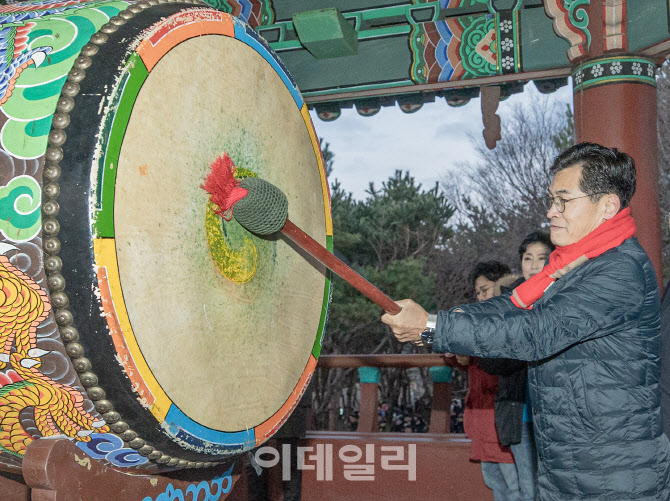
(409, 323)
(463, 359)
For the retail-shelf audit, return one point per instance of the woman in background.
(513, 414)
(497, 461)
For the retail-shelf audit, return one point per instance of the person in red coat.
(497, 462)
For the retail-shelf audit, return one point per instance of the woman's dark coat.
(594, 345)
(512, 376)
(511, 396)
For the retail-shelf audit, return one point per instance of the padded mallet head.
(264, 209)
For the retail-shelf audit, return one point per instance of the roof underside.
(373, 53)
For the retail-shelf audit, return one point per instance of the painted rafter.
(571, 22)
(614, 25)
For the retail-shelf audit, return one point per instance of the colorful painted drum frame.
(84, 316)
(41, 394)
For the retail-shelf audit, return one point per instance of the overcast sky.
(428, 143)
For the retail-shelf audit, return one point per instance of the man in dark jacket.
(589, 326)
(665, 358)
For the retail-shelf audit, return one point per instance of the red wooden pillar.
(368, 410)
(615, 105)
(440, 414)
(615, 99)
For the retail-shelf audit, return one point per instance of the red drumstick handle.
(321, 254)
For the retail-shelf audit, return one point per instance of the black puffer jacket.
(512, 377)
(665, 360)
(593, 341)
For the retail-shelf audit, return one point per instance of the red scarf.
(608, 235)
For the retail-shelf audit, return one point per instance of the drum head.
(202, 335)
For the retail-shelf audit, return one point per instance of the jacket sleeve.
(608, 298)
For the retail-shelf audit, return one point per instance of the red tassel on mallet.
(223, 188)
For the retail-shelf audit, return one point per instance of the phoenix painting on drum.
(58, 409)
(40, 392)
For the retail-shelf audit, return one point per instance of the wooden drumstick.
(262, 208)
(321, 254)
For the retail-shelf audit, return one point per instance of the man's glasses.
(559, 202)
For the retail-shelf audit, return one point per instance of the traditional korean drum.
(133, 319)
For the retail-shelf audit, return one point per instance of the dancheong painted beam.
(419, 50)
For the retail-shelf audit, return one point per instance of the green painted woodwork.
(440, 374)
(647, 23)
(325, 33)
(506, 4)
(614, 69)
(385, 60)
(285, 9)
(369, 374)
(397, 51)
(539, 51)
(405, 43)
(579, 17)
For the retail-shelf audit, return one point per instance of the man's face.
(580, 217)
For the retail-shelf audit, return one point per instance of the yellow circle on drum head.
(227, 354)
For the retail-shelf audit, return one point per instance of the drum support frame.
(57, 470)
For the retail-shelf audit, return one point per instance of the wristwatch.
(429, 332)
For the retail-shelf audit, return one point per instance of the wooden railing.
(442, 465)
(368, 365)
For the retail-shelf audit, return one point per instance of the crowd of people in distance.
(402, 419)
